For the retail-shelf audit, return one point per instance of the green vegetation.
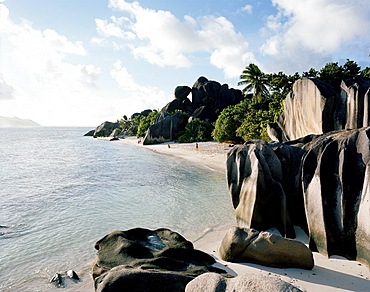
(145, 123)
(138, 124)
(248, 120)
(256, 82)
(196, 131)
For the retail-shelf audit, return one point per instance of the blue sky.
(82, 62)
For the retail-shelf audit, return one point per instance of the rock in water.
(57, 280)
(105, 129)
(128, 279)
(73, 275)
(139, 258)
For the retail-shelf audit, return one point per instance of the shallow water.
(60, 192)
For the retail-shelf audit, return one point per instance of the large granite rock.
(205, 113)
(209, 98)
(178, 104)
(335, 185)
(315, 107)
(211, 94)
(309, 109)
(182, 92)
(212, 282)
(105, 129)
(318, 182)
(264, 248)
(356, 93)
(164, 129)
(138, 257)
(128, 279)
(264, 184)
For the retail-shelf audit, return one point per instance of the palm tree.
(256, 82)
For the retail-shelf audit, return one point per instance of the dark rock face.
(335, 183)
(205, 113)
(105, 129)
(123, 278)
(90, 133)
(182, 92)
(178, 104)
(209, 98)
(144, 113)
(139, 257)
(315, 107)
(323, 178)
(164, 129)
(264, 184)
(212, 282)
(356, 92)
(265, 248)
(212, 94)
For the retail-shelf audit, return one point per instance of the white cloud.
(164, 40)
(112, 29)
(140, 96)
(6, 91)
(315, 28)
(248, 8)
(43, 85)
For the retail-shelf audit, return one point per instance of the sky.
(83, 62)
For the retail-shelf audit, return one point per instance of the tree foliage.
(196, 131)
(247, 120)
(145, 123)
(255, 81)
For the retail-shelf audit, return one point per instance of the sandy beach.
(334, 274)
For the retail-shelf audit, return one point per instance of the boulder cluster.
(317, 176)
(161, 260)
(209, 98)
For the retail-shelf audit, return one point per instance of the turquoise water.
(60, 192)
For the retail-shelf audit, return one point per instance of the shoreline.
(329, 274)
(211, 155)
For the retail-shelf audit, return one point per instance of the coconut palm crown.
(256, 82)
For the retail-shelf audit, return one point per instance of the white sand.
(334, 274)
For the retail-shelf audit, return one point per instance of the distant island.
(15, 122)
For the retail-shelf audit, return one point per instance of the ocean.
(60, 192)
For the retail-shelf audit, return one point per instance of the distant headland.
(15, 122)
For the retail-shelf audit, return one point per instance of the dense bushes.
(196, 131)
(247, 120)
(145, 123)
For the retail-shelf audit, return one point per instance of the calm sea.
(60, 192)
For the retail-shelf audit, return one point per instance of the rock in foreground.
(139, 257)
(324, 178)
(212, 282)
(265, 248)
